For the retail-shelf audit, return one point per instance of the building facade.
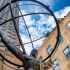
(61, 58)
(10, 31)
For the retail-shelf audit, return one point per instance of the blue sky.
(56, 5)
(60, 4)
(40, 24)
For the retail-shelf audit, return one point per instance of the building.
(61, 58)
(10, 30)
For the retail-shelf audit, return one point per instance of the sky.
(56, 5)
(39, 25)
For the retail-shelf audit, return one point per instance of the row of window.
(66, 51)
(56, 63)
(61, 39)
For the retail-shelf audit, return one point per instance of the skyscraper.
(9, 29)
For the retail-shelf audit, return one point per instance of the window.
(56, 65)
(61, 39)
(47, 34)
(67, 52)
(49, 49)
(68, 25)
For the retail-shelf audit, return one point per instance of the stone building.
(10, 30)
(61, 58)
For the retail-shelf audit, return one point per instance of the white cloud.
(63, 12)
(34, 31)
(23, 12)
(25, 39)
(28, 48)
(28, 20)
